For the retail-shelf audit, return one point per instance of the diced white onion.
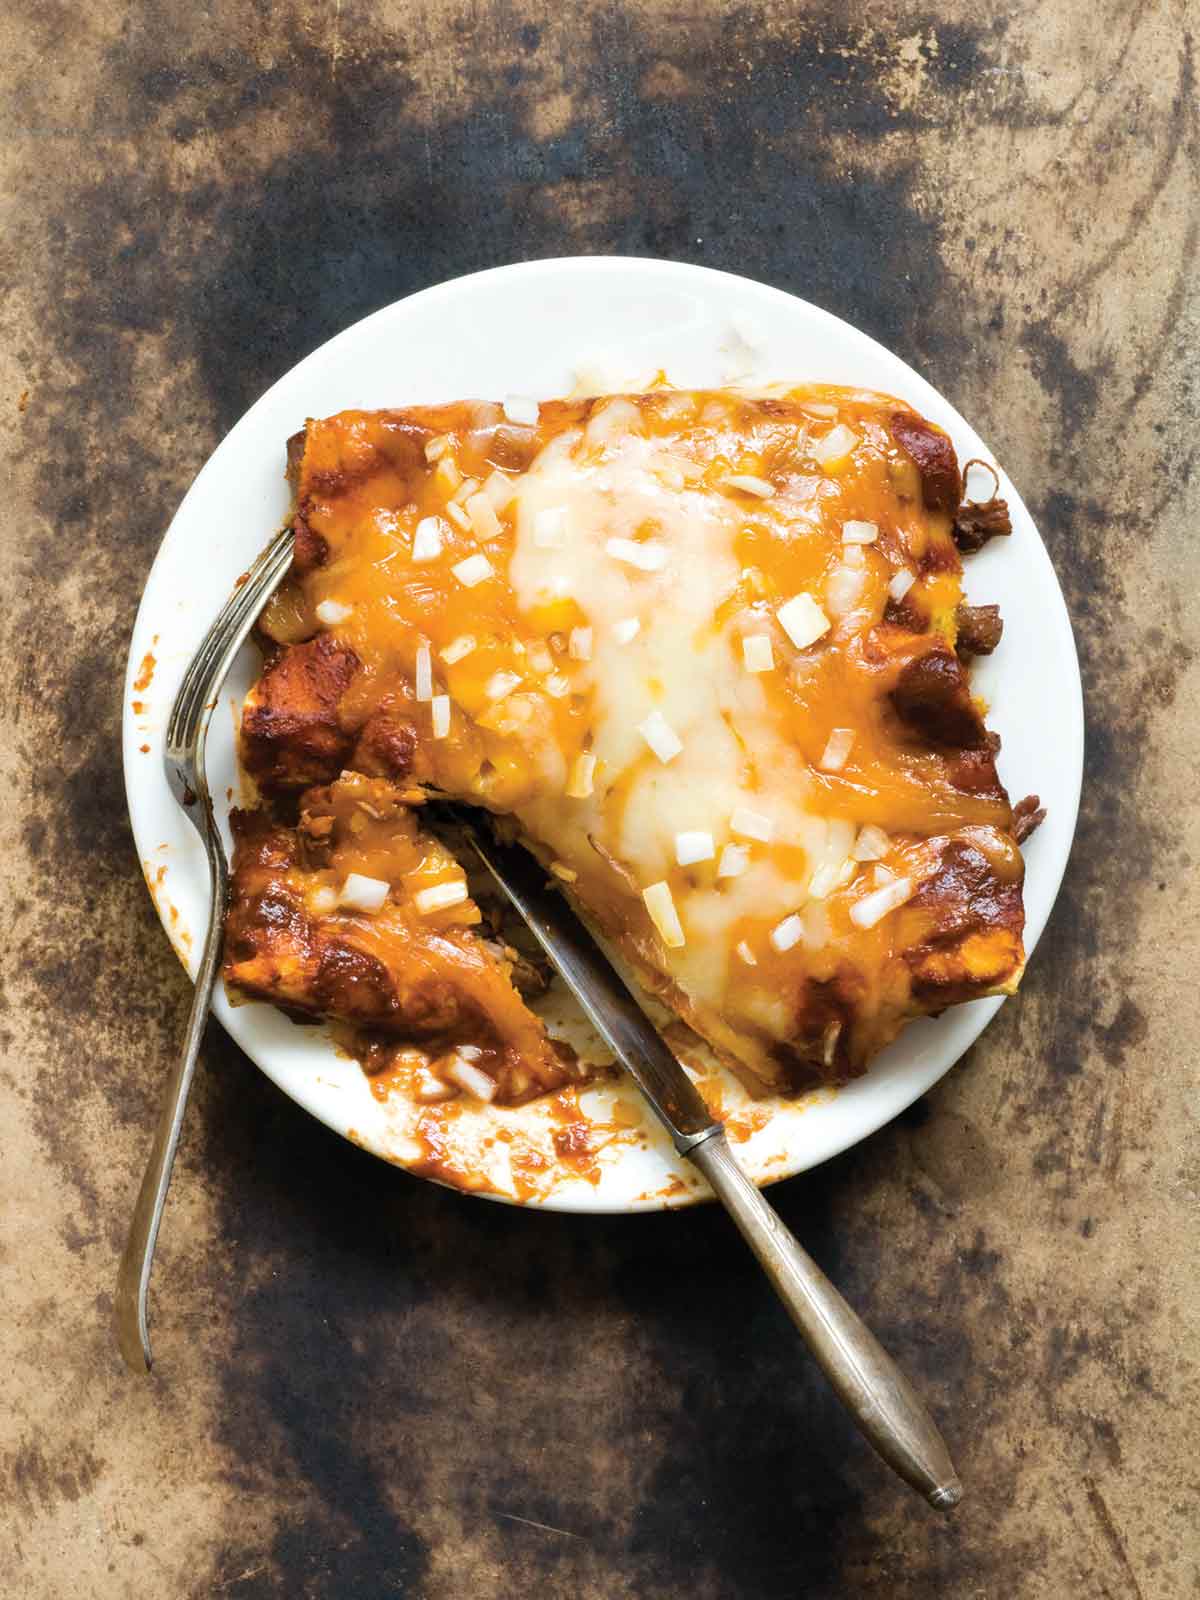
(331, 612)
(558, 686)
(436, 447)
(872, 843)
(660, 736)
(519, 408)
(825, 880)
(749, 824)
(787, 933)
(757, 653)
(802, 619)
(818, 408)
(901, 583)
(815, 917)
(472, 571)
(648, 557)
(440, 708)
(747, 955)
(561, 870)
(446, 475)
(500, 685)
(424, 673)
(484, 521)
(838, 442)
(428, 1088)
(661, 906)
(471, 1078)
(872, 908)
(882, 875)
(859, 532)
(458, 516)
(499, 488)
(837, 748)
(625, 630)
(440, 896)
(427, 540)
(579, 644)
(360, 893)
(747, 483)
(550, 527)
(735, 858)
(583, 772)
(323, 900)
(458, 648)
(693, 845)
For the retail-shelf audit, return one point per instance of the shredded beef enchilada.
(705, 652)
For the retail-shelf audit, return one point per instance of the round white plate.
(533, 329)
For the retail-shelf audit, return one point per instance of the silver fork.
(183, 757)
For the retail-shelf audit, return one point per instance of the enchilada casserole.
(705, 653)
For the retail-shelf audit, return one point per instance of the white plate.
(528, 329)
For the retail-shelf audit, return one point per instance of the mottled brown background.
(368, 1386)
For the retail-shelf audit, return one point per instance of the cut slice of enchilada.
(704, 650)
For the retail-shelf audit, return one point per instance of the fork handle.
(133, 1277)
(878, 1396)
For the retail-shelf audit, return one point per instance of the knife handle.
(876, 1393)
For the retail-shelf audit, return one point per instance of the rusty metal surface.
(372, 1387)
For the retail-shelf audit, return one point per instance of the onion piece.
(459, 648)
(484, 521)
(474, 570)
(424, 673)
(561, 870)
(735, 858)
(825, 880)
(500, 685)
(625, 630)
(859, 532)
(835, 446)
(558, 685)
(436, 447)
(499, 488)
(693, 845)
(802, 619)
(579, 644)
(582, 776)
(660, 736)
(787, 933)
(427, 539)
(872, 843)
(661, 906)
(746, 954)
(521, 410)
(331, 612)
(458, 516)
(747, 483)
(471, 1078)
(837, 749)
(749, 824)
(758, 654)
(440, 711)
(322, 900)
(428, 1088)
(440, 896)
(872, 908)
(901, 583)
(647, 557)
(360, 893)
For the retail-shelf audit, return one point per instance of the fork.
(183, 759)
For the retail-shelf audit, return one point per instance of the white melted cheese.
(610, 482)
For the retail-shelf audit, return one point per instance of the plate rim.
(918, 1079)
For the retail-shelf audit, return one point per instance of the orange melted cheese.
(593, 658)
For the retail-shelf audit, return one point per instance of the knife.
(869, 1384)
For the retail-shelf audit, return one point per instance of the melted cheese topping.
(584, 612)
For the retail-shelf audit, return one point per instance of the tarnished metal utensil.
(876, 1393)
(183, 756)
